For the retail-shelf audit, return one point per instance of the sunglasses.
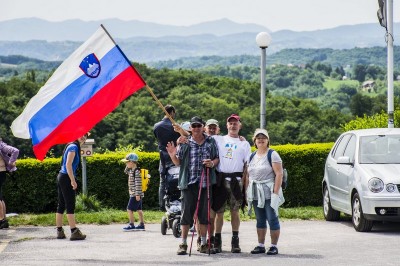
(196, 125)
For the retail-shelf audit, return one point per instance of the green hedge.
(33, 188)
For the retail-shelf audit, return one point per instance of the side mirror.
(344, 160)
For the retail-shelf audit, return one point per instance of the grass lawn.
(109, 216)
(332, 84)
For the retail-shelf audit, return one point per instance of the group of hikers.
(216, 172)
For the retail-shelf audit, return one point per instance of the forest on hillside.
(305, 104)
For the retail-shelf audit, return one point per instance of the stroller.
(172, 217)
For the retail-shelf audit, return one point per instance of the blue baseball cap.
(131, 157)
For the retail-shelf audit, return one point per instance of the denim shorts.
(266, 214)
(134, 205)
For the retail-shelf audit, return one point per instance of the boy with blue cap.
(135, 192)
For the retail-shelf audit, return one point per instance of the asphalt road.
(301, 243)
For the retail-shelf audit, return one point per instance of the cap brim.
(125, 160)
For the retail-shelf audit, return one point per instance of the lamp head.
(263, 39)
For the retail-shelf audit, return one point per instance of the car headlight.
(391, 188)
(375, 185)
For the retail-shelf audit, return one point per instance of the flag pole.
(101, 25)
(147, 87)
(160, 104)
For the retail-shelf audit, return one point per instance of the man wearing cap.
(164, 132)
(212, 127)
(233, 154)
(194, 158)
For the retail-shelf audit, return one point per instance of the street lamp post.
(263, 40)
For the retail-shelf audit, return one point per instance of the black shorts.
(189, 204)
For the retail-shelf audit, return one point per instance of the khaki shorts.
(234, 204)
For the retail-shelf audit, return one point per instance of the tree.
(361, 105)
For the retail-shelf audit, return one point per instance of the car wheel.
(176, 228)
(359, 222)
(164, 225)
(329, 213)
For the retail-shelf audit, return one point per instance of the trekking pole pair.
(208, 209)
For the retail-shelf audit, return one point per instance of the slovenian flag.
(86, 87)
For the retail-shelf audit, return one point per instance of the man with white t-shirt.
(233, 155)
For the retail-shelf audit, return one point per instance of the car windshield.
(380, 149)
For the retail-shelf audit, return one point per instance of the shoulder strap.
(269, 156)
(252, 156)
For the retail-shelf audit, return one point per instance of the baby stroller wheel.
(164, 225)
(176, 228)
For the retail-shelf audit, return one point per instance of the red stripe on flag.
(92, 112)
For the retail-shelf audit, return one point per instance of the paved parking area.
(301, 243)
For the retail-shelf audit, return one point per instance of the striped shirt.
(134, 182)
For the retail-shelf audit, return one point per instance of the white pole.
(390, 63)
(263, 101)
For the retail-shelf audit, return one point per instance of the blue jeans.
(266, 214)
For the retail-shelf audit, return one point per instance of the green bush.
(33, 189)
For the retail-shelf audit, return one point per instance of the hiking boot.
(235, 245)
(77, 235)
(4, 224)
(198, 243)
(129, 227)
(217, 245)
(204, 249)
(182, 249)
(61, 234)
(140, 227)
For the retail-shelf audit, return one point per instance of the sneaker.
(61, 234)
(218, 245)
(182, 249)
(129, 227)
(272, 251)
(204, 249)
(235, 245)
(4, 224)
(140, 227)
(258, 250)
(77, 235)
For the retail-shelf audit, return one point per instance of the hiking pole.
(197, 211)
(208, 211)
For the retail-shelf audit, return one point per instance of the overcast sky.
(298, 15)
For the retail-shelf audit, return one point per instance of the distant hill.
(356, 56)
(27, 29)
(299, 56)
(148, 42)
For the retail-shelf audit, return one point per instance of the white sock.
(261, 245)
(203, 240)
(272, 245)
(184, 241)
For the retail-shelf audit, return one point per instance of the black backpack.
(269, 155)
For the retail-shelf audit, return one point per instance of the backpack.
(144, 173)
(285, 175)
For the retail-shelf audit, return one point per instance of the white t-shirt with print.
(233, 153)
